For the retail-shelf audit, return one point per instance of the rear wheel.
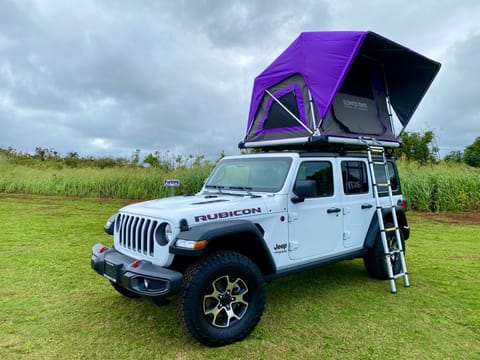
(223, 298)
(375, 261)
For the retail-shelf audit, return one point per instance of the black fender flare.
(217, 235)
(374, 226)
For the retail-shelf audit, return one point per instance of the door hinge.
(292, 216)
(292, 245)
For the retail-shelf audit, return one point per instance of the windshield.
(250, 174)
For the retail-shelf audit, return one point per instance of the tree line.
(423, 148)
(50, 157)
(416, 146)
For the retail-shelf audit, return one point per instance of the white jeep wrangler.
(258, 217)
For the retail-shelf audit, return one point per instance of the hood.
(201, 208)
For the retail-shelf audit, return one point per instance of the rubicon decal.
(227, 214)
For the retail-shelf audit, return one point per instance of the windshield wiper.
(217, 187)
(247, 189)
(244, 188)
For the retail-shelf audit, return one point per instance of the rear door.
(358, 201)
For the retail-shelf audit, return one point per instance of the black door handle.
(367, 206)
(333, 210)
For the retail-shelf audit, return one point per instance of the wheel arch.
(242, 236)
(373, 229)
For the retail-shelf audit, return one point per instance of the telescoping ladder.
(394, 250)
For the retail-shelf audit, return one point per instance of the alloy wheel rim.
(226, 301)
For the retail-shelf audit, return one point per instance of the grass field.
(52, 305)
(431, 187)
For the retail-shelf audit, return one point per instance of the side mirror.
(304, 189)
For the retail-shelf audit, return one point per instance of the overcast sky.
(108, 77)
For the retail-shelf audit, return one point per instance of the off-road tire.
(222, 298)
(375, 261)
(125, 292)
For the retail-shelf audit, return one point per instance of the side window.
(355, 179)
(320, 172)
(381, 179)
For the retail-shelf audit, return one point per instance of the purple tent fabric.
(324, 60)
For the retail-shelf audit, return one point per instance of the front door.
(316, 223)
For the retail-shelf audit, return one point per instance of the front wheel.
(222, 299)
(375, 261)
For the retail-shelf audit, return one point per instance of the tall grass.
(120, 183)
(440, 187)
(436, 187)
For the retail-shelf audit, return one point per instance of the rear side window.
(381, 178)
(355, 178)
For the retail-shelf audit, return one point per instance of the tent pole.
(313, 112)
(389, 106)
(288, 111)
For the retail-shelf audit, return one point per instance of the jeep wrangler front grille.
(136, 233)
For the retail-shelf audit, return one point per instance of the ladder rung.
(400, 274)
(377, 149)
(381, 184)
(389, 229)
(379, 163)
(393, 252)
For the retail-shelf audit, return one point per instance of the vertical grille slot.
(137, 234)
(145, 236)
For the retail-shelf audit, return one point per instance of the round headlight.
(168, 232)
(109, 225)
(163, 234)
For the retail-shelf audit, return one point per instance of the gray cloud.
(452, 108)
(106, 78)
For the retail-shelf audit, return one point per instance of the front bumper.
(141, 277)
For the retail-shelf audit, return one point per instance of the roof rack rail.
(319, 143)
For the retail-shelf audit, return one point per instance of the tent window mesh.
(278, 117)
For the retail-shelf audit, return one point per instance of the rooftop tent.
(337, 87)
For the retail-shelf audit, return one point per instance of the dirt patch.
(468, 218)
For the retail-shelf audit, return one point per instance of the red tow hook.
(136, 263)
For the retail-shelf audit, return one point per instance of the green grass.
(52, 305)
(439, 187)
